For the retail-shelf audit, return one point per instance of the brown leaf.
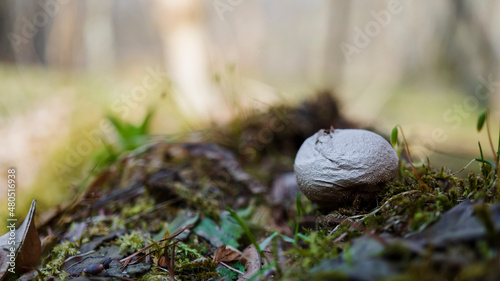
(252, 261)
(225, 254)
(162, 262)
(27, 248)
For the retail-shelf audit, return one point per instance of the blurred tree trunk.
(5, 27)
(468, 49)
(181, 26)
(65, 48)
(98, 35)
(334, 58)
(24, 37)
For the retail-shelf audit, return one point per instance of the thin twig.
(340, 237)
(171, 263)
(79, 256)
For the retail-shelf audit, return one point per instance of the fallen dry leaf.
(26, 249)
(252, 262)
(225, 254)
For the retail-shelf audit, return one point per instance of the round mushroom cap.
(334, 165)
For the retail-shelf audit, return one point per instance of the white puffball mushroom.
(338, 166)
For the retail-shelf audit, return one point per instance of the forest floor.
(224, 205)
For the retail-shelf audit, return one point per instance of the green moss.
(138, 206)
(404, 208)
(58, 256)
(186, 252)
(201, 184)
(155, 274)
(199, 199)
(131, 242)
(196, 270)
(321, 246)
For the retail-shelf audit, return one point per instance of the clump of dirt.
(266, 143)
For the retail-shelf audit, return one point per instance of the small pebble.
(94, 269)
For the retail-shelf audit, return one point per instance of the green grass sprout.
(247, 232)
(394, 136)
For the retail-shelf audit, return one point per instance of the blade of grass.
(143, 128)
(480, 120)
(277, 266)
(124, 130)
(485, 161)
(482, 160)
(268, 240)
(304, 238)
(299, 214)
(480, 151)
(248, 233)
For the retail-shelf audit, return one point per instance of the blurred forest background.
(430, 66)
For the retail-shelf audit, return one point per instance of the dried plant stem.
(411, 164)
(495, 155)
(461, 170)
